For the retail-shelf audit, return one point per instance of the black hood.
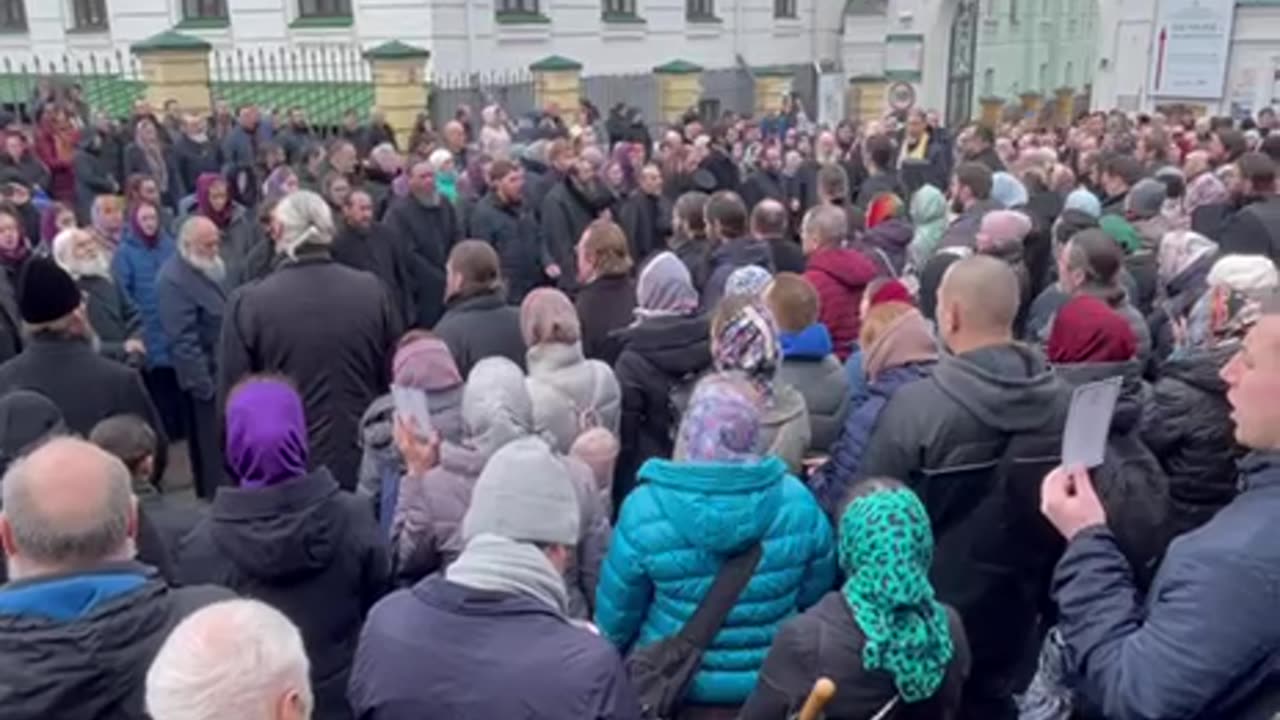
(287, 532)
(89, 668)
(741, 252)
(1200, 368)
(1072, 221)
(1010, 388)
(25, 418)
(677, 346)
(1132, 393)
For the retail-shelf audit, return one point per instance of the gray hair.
(82, 539)
(232, 659)
(305, 219)
(829, 223)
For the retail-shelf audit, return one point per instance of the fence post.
(399, 84)
(992, 108)
(175, 67)
(1032, 101)
(1064, 105)
(558, 80)
(868, 97)
(772, 83)
(679, 89)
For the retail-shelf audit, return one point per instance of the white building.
(464, 36)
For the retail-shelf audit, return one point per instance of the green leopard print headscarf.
(886, 548)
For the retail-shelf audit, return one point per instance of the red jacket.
(840, 276)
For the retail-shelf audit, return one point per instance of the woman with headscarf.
(147, 155)
(623, 157)
(213, 201)
(747, 281)
(282, 181)
(446, 173)
(1183, 260)
(883, 638)
(496, 409)
(139, 188)
(1091, 342)
(1002, 234)
(1187, 420)
(888, 236)
(744, 338)
(899, 349)
(1207, 204)
(421, 362)
(495, 137)
(718, 497)
(57, 216)
(289, 537)
(929, 221)
(1007, 191)
(55, 144)
(663, 353)
(570, 393)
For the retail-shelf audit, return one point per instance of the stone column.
(1064, 106)
(867, 99)
(1031, 103)
(771, 85)
(175, 67)
(558, 80)
(399, 84)
(992, 107)
(679, 89)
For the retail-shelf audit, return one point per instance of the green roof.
(170, 40)
(555, 63)
(396, 50)
(678, 67)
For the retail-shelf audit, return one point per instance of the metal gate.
(964, 51)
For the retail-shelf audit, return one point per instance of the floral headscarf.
(1179, 251)
(1220, 317)
(746, 340)
(1206, 189)
(722, 423)
(886, 548)
(748, 281)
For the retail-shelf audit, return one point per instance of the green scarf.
(1120, 230)
(886, 548)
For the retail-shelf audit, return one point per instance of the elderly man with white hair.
(326, 326)
(238, 659)
(191, 294)
(80, 621)
(111, 314)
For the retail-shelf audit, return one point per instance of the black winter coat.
(566, 213)
(328, 328)
(86, 387)
(135, 162)
(658, 355)
(94, 666)
(481, 325)
(945, 436)
(826, 641)
(430, 232)
(762, 185)
(513, 233)
(787, 254)
(111, 314)
(11, 341)
(307, 549)
(373, 250)
(1253, 230)
(193, 159)
(94, 176)
(1187, 424)
(605, 306)
(1134, 489)
(727, 256)
(646, 220)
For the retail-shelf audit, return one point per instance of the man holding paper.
(1206, 642)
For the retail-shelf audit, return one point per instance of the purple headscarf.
(722, 423)
(266, 434)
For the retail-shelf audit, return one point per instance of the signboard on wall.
(1191, 48)
(831, 99)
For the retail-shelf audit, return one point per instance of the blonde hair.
(878, 319)
(606, 244)
(305, 219)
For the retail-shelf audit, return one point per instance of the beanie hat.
(46, 292)
(1147, 198)
(892, 291)
(1084, 201)
(525, 493)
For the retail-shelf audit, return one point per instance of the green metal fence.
(325, 82)
(108, 81)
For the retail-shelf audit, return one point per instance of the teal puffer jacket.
(675, 531)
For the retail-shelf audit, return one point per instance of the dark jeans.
(170, 401)
(203, 446)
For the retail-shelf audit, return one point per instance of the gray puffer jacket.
(571, 394)
(496, 409)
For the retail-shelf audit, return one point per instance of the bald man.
(769, 223)
(80, 620)
(974, 440)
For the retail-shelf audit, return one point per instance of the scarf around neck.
(498, 564)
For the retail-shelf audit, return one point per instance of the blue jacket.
(831, 482)
(191, 309)
(135, 268)
(676, 530)
(442, 650)
(1206, 640)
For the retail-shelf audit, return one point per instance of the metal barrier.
(109, 82)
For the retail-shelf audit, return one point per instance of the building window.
(992, 9)
(13, 16)
(204, 9)
(700, 9)
(1069, 75)
(324, 8)
(620, 7)
(1013, 12)
(521, 7)
(88, 14)
(988, 82)
(784, 8)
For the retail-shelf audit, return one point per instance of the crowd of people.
(706, 418)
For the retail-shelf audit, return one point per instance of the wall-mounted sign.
(1192, 46)
(902, 96)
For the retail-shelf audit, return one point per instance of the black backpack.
(661, 672)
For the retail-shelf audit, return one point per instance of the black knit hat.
(46, 292)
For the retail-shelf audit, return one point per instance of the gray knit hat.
(1146, 198)
(524, 493)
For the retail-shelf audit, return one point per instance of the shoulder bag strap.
(723, 595)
